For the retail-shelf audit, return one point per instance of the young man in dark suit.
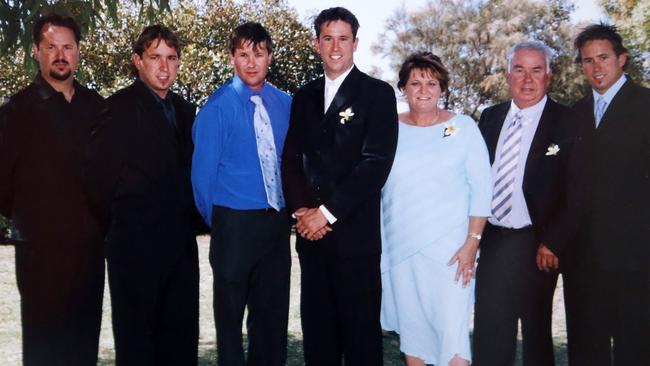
(59, 262)
(607, 276)
(138, 177)
(338, 153)
(529, 140)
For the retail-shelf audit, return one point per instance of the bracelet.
(476, 236)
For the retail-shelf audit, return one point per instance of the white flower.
(346, 115)
(553, 149)
(450, 130)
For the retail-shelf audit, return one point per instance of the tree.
(17, 17)
(633, 19)
(203, 28)
(472, 39)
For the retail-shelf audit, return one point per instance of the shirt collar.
(157, 97)
(245, 92)
(611, 92)
(46, 91)
(339, 80)
(529, 112)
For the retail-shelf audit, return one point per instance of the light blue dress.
(435, 184)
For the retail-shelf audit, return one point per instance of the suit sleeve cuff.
(328, 215)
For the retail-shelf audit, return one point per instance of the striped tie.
(507, 171)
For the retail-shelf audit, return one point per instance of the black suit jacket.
(544, 183)
(138, 174)
(611, 194)
(342, 165)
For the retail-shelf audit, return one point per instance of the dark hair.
(602, 32)
(250, 32)
(425, 61)
(334, 14)
(156, 32)
(59, 20)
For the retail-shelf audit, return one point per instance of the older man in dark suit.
(529, 139)
(138, 177)
(606, 271)
(337, 155)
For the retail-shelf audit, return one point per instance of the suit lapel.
(616, 107)
(344, 96)
(543, 133)
(492, 140)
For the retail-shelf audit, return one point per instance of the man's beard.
(60, 77)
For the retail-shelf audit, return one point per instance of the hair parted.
(250, 32)
(427, 62)
(334, 14)
(532, 45)
(153, 33)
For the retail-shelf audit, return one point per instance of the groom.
(338, 152)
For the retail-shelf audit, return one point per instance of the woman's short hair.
(425, 61)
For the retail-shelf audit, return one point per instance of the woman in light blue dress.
(434, 207)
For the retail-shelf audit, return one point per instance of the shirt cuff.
(328, 215)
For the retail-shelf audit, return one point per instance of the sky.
(372, 15)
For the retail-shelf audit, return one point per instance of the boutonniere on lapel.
(450, 130)
(553, 149)
(346, 115)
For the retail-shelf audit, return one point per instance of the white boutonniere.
(553, 149)
(346, 115)
(450, 130)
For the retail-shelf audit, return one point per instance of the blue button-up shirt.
(225, 166)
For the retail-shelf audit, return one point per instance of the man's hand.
(311, 224)
(546, 260)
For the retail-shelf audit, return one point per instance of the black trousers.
(251, 262)
(340, 302)
(61, 287)
(509, 288)
(604, 309)
(155, 308)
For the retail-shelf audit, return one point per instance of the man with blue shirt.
(238, 139)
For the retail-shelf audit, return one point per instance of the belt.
(504, 229)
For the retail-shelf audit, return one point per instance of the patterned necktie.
(601, 104)
(507, 170)
(267, 154)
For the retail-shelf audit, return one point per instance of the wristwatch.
(476, 236)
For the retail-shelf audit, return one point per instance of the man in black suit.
(138, 176)
(337, 156)
(529, 140)
(59, 262)
(606, 271)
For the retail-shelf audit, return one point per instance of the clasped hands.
(311, 223)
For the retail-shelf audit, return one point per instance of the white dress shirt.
(519, 216)
(332, 87)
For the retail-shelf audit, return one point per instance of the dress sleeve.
(208, 134)
(479, 174)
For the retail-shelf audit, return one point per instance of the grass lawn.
(10, 332)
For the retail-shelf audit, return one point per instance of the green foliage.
(203, 28)
(472, 39)
(632, 17)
